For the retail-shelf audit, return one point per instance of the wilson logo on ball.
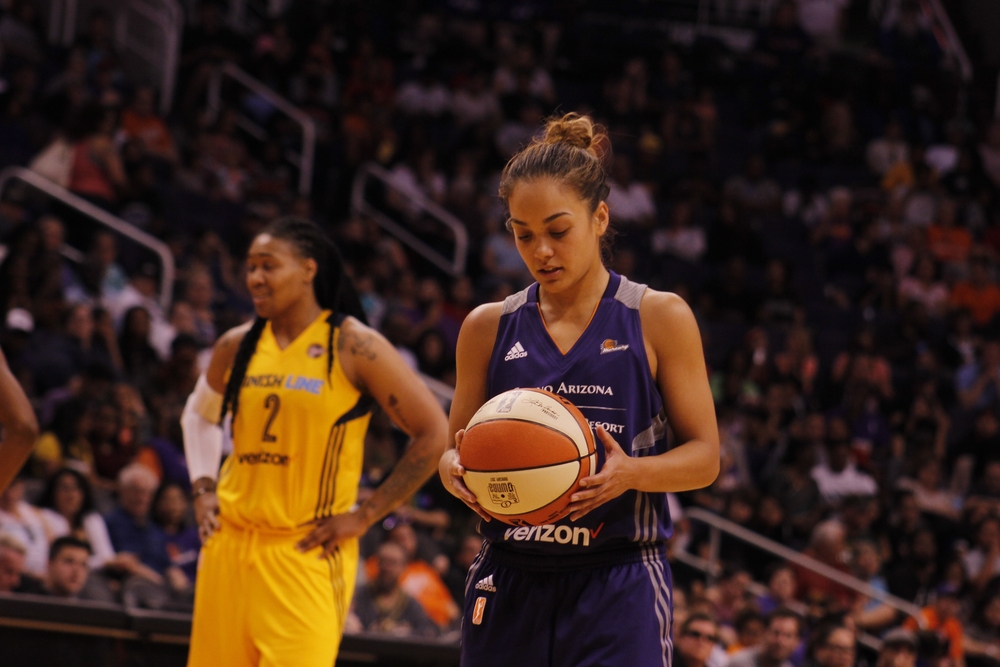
(524, 453)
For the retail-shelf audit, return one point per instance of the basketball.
(524, 453)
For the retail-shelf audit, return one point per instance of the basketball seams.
(544, 426)
(584, 439)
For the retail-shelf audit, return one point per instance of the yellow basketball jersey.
(298, 436)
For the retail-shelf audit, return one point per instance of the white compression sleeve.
(202, 434)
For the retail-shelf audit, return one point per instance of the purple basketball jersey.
(606, 375)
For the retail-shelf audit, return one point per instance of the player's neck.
(579, 299)
(287, 326)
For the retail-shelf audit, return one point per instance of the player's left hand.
(330, 531)
(612, 481)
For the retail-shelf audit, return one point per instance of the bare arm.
(20, 427)
(678, 363)
(472, 358)
(374, 366)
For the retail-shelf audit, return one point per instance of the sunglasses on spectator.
(701, 635)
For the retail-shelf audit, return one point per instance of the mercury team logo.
(611, 345)
(315, 351)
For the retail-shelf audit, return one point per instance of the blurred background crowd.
(825, 198)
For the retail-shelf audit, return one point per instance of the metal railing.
(162, 250)
(718, 525)
(947, 37)
(454, 265)
(304, 160)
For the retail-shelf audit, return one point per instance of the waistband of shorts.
(626, 554)
(264, 534)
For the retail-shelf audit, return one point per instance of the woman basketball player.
(280, 532)
(631, 359)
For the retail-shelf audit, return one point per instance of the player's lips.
(550, 270)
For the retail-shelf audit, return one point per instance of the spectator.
(899, 649)
(889, 150)
(140, 122)
(927, 487)
(97, 173)
(64, 443)
(468, 549)
(171, 512)
(13, 577)
(753, 190)
(979, 293)
(782, 585)
(978, 383)
(475, 104)
(915, 576)
(948, 240)
(832, 646)
(630, 202)
(68, 570)
(839, 477)
(698, 637)
(781, 639)
(67, 506)
(941, 618)
(682, 238)
(424, 95)
(140, 543)
(925, 287)
(823, 20)
(827, 545)
(982, 634)
(982, 562)
(419, 579)
(24, 522)
(138, 356)
(749, 630)
(383, 606)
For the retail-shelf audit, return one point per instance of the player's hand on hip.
(206, 514)
(609, 483)
(330, 531)
(452, 472)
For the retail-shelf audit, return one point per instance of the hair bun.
(572, 129)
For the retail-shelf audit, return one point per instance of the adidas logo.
(486, 585)
(516, 352)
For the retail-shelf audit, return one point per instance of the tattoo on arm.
(397, 414)
(358, 345)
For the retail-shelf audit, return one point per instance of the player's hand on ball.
(451, 471)
(206, 514)
(609, 483)
(332, 530)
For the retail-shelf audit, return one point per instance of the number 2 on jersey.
(272, 403)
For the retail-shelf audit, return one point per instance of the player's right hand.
(451, 472)
(206, 514)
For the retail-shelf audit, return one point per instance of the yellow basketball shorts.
(259, 602)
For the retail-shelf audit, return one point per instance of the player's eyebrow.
(546, 220)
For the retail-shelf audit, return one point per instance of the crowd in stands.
(822, 200)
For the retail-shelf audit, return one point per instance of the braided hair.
(331, 285)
